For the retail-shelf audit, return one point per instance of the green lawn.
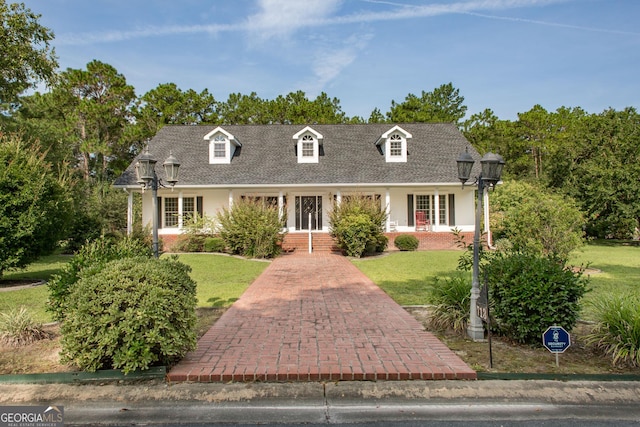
(221, 279)
(33, 299)
(405, 276)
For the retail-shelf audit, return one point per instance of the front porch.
(323, 242)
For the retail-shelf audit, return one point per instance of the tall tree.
(296, 108)
(25, 53)
(443, 105)
(167, 104)
(100, 101)
(603, 170)
(242, 109)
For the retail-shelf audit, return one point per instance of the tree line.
(89, 125)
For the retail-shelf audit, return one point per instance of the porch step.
(320, 242)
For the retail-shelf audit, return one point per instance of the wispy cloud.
(282, 18)
(555, 24)
(330, 62)
(146, 32)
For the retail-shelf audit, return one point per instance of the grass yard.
(34, 298)
(407, 276)
(221, 279)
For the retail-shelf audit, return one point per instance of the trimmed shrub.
(251, 228)
(531, 292)
(357, 225)
(196, 230)
(617, 331)
(189, 243)
(17, 328)
(406, 242)
(451, 297)
(131, 314)
(214, 244)
(93, 254)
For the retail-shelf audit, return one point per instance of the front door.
(308, 208)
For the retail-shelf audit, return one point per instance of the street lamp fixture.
(147, 178)
(492, 165)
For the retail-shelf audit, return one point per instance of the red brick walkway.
(317, 317)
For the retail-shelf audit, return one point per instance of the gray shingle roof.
(268, 156)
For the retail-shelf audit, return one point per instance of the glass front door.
(308, 208)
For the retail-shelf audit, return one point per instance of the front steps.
(299, 242)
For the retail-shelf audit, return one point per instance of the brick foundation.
(322, 242)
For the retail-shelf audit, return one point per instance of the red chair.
(422, 223)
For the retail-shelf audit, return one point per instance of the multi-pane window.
(424, 204)
(220, 146)
(444, 216)
(188, 208)
(307, 146)
(170, 211)
(427, 204)
(395, 145)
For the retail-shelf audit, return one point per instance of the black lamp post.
(492, 165)
(146, 174)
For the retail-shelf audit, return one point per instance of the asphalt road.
(410, 403)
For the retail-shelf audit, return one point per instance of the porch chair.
(422, 223)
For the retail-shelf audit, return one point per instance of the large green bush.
(251, 228)
(35, 204)
(617, 331)
(357, 224)
(531, 292)
(94, 254)
(534, 219)
(130, 314)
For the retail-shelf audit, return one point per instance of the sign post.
(556, 339)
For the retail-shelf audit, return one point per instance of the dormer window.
(393, 144)
(222, 146)
(308, 143)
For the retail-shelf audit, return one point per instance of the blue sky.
(507, 55)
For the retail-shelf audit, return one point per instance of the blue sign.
(556, 339)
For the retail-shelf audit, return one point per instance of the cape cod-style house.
(304, 169)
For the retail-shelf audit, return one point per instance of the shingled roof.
(350, 156)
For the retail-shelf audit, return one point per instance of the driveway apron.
(311, 317)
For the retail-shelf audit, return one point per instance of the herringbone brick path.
(313, 317)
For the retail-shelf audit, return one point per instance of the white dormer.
(308, 143)
(394, 144)
(222, 146)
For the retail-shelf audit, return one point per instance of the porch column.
(180, 210)
(230, 199)
(281, 206)
(129, 212)
(387, 201)
(338, 197)
(436, 208)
